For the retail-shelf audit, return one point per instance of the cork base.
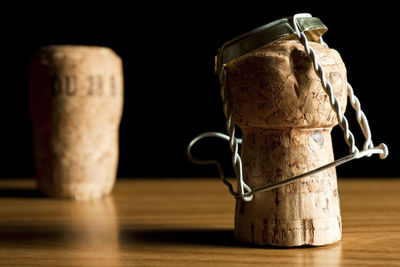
(285, 232)
(306, 212)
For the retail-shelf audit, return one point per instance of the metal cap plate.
(278, 29)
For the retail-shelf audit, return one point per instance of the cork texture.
(278, 101)
(76, 97)
(276, 86)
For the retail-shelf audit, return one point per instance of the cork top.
(51, 54)
(276, 86)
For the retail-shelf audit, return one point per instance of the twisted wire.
(361, 118)
(343, 123)
(243, 188)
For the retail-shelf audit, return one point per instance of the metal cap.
(273, 31)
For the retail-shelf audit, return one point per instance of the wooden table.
(183, 222)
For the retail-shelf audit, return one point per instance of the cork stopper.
(277, 99)
(76, 96)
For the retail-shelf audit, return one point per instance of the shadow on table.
(201, 237)
(20, 193)
(208, 237)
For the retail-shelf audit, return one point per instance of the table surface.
(183, 222)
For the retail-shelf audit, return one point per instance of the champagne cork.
(277, 99)
(76, 98)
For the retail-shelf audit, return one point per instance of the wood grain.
(183, 222)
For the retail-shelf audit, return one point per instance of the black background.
(171, 91)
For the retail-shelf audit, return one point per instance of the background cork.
(76, 95)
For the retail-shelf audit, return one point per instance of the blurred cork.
(76, 98)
